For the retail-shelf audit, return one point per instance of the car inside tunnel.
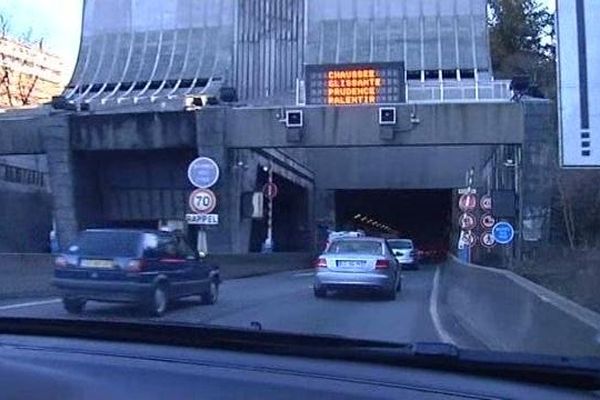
(421, 215)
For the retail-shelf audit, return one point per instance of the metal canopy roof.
(136, 50)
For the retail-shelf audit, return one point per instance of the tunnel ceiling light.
(364, 219)
(357, 216)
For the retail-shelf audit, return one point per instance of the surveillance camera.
(387, 116)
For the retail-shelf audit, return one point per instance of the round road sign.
(487, 240)
(203, 201)
(468, 238)
(203, 172)
(270, 190)
(467, 202)
(503, 233)
(488, 221)
(467, 221)
(486, 202)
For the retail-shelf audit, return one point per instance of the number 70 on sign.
(202, 201)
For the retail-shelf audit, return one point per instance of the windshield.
(106, 244)
(400, 244)
(391, 170)
(356, 246)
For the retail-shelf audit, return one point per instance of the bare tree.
(4, 26)
(16, 86)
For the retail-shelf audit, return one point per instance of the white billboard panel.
(579, 82)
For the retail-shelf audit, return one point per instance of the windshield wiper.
(582, 373)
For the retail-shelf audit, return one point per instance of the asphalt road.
(284, 302)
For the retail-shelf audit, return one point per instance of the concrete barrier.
(507, 312)
(29, 275)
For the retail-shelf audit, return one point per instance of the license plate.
(351, 264)
(97, 263)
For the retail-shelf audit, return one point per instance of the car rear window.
(356, 246)
(400, 244)
(106, 244)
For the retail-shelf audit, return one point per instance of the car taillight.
(60, 262)
(136, 265)
(382, 264)
(320, 263)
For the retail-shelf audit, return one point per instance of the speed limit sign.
(203, 201)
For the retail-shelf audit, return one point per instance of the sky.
(59, 23)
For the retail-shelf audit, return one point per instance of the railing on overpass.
(24, 176)
(458, 91)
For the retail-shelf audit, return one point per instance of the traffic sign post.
(203, 172)
(202, 201)
(503, 233)
(270, 191)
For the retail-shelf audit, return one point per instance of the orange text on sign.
(352, 87)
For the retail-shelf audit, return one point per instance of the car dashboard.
(71, 368)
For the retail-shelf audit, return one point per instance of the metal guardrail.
(458, 91)
(24, 176)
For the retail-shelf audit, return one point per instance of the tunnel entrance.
(291, 230)
(425, 216)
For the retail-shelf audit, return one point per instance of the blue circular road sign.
(203, 172)
(503, 232)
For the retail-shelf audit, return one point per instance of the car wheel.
(320, 292)
(390, 294)
(212, 295)
(73, 305)
(158, 301)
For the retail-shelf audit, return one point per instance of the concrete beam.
(21, 135)
(450, 124)
(142, 131)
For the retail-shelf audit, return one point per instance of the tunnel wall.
(509, 313)
(25, 219)
(30, 275)
(396, 168)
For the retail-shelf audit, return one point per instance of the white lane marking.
(433, 309)
(29, 304)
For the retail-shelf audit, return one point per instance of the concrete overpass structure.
(118, 153)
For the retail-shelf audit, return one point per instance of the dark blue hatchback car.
(148, 268)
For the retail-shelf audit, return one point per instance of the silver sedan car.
(358, 263)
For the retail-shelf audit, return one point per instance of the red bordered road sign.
(467, 202)
(487, 240)
(203, 201)
(468, 238)
(467, 221)
(488, 221)
(270, 190)
(486, 202)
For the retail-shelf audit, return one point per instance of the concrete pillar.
(210, 133)
(56, 137)
(537, 175)
(246, 170)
